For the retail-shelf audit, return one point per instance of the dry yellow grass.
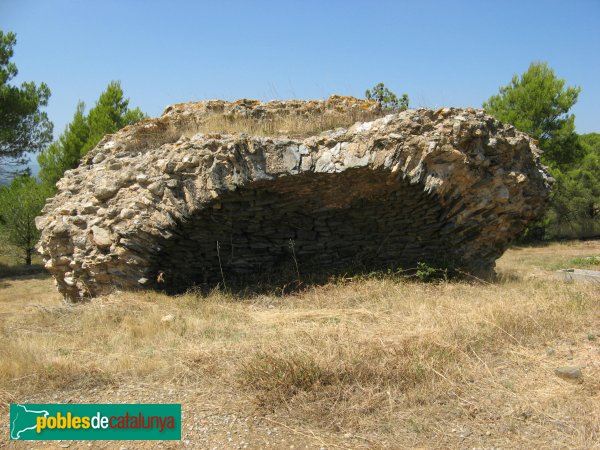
(158, 132)
(292, 126)
(374, 363)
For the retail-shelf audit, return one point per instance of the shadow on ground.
(34, 271)
(289, 280)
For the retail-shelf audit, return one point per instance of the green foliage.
(575, 207)
(110, 114)
(586, 261)
(564, 150)
(23, 127)
(64, 154)
(427, 272)
(386, 98)
(591, 143)
(20, 203)
(538, 103)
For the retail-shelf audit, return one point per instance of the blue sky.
(455, 53)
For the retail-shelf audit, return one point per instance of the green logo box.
(34, 422)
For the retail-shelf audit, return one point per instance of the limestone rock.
(160, 206)
(569, 373)
(101, 237)
(106, 189)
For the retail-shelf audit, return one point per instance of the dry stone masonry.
(154, 207)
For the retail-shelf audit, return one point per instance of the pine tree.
(64, 154)
(110, 113)
(23, 126)
(20, 203)
(538, 104)
(386, 98)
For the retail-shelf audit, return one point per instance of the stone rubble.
(150, 208)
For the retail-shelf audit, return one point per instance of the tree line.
(25, 128)
(536, 102)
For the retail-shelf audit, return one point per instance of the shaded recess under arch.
(314, 224)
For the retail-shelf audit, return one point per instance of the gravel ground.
(206, 423)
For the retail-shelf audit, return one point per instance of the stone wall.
(417, 186)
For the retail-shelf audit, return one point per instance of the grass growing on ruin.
(398, 363)
(292, 126)
(157, 132)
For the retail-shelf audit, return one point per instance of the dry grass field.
(378, 362)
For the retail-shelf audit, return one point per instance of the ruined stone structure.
(155, 206)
